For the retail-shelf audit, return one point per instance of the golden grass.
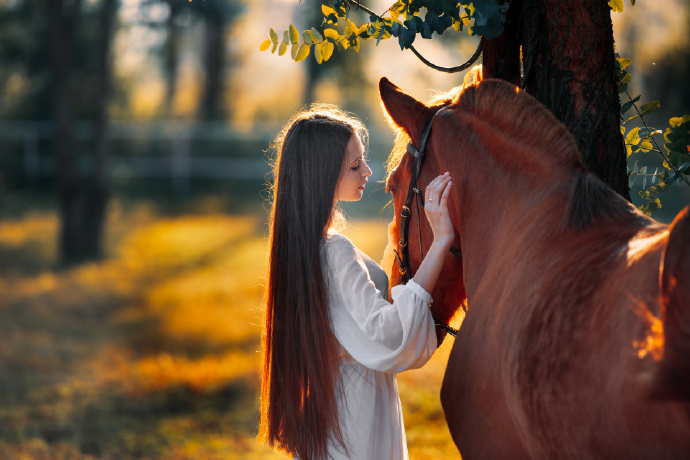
(153, 352)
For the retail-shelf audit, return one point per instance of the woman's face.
(353, 176)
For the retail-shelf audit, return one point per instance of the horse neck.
(503, 212)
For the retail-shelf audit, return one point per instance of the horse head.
(411, 117)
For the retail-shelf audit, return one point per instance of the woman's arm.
(436, 210)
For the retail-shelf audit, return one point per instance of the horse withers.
(576, 343)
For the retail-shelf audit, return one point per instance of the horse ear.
(403, 110)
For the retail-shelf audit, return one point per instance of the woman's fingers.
(436, 187)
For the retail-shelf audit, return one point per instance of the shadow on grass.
(113, 359)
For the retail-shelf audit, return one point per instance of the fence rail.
(178, 162)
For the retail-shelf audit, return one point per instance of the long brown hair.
(299, 409)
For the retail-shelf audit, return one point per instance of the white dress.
(379, 339)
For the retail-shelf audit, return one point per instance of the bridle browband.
(412, 193)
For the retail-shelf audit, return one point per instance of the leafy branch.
(404, 22)
(642, 139)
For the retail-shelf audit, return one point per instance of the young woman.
(332, 342)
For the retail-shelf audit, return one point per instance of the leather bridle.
(414, 193)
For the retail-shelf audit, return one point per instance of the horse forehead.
(400, 173)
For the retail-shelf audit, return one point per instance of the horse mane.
(591, 200)
(500, 117)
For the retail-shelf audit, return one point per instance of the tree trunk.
(214, 48)
(501, 55)
(171, 52)
(62, 24)
(95, 202)
(82, 208)
(568, 65)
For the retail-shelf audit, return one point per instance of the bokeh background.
(152, 351)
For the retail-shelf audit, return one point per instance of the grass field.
(153, 352)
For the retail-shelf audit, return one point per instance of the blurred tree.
(217, 16)
(343, 68)
(672, 67)
(171, 53)
(25, 71)
(82, 203)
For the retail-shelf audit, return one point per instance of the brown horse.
(576, 343)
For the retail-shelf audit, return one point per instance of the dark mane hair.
(499, 116)
(301, 366)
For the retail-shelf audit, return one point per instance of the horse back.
(554, 345)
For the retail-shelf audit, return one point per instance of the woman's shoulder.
(337, 240)
(338, 246)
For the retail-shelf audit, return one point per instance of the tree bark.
(214, 49)
(568, 65)
(171, 58)
(95, 202)
(62, 24)
(82, 203)
(501, 55)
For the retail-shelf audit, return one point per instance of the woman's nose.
(367, 171)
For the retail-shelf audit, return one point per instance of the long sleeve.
(389, 337)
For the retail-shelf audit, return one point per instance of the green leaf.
(294, 35)
(645, 146)
(623, 82)
(633, 138)
(316, 35)
(625, 107)
(623, 62)
(273, 36)
(631, 179)
(275, 47)
(302, 52)
(649, 132)
(282, 49)
(649, 107)
(293, 50)
(307, 37)
(331, 34)
(326, 50)
(266, 44)
(616, 6)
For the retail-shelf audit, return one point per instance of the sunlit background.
(152, 351)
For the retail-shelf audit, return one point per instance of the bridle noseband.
(412, 193)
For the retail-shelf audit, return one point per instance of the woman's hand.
(436, 210)
(388, 260)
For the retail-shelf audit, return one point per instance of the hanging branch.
(459, 68)
(428, 63)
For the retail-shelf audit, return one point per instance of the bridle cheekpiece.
(413, 193)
